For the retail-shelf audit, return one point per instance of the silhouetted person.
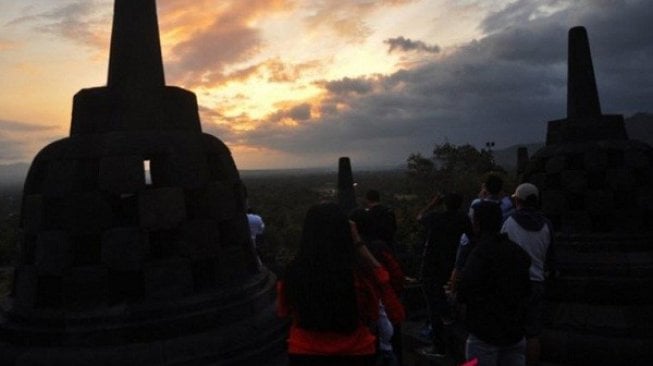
(333, 290)
(495, 287)
(376, 221)
(444, 229)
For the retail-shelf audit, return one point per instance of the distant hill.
(13, 174)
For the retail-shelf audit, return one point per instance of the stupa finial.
(135, 57)
(582, 94)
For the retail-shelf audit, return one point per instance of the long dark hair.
(320, 280)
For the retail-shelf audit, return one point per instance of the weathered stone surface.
(85, 287)
(620, 179)
(231, 261)
(123, 249)
(218, 201)
(200, 239)
(235, 232)
(53, 253)
(168, 279)
(556, 165)
(162, 208)
(636, 159)
(599, 202)
(102, 279)
(122, 174)
(554, 202)
(576, 221)
(206, 273)
(596, 159)
(57, 181)
(25, 284)
(574, 180)
(33, 211)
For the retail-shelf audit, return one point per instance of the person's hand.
(355, 235)
(437, 199)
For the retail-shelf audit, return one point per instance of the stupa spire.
(135, 56)
(582, 94)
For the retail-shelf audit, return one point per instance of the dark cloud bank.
(503, 87)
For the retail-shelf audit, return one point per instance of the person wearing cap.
(532, 231)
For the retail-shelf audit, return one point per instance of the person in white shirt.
(532, 231)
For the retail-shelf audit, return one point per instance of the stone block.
(556, 165)
(48, 294)
(645, 198)
(235, 232)
(538, 180)
(71, 176)
(599, 202)
(53, 253)
(574, 181)
(123, 249)
(595, 160)
(122, 174)
(218, 201)
(206, 273)
(84, 287)
(80, 214)
(576, 222)
(554, 202)
(200, 239)
(615, 157)
(58, 180)
(164, 243)
(168, 279)
(620, 179)
(25, 285)
(184, 169)
(32, 213)
(636, 159)
(161, 208)
(222, 166)
(87, 249)
(125, 286)
(236, 262)
(629, 220)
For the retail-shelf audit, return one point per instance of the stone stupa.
(135, 246)
(346, 193)
(596, 186)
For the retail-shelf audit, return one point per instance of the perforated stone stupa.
(135, 244)
(597, 187)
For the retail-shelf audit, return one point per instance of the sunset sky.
(299, 83)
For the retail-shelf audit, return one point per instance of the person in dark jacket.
(495, 286)
(444, 229)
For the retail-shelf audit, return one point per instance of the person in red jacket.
(332, 291)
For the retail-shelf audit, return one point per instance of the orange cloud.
(205, 39)
(346, 18)
(7, 45)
